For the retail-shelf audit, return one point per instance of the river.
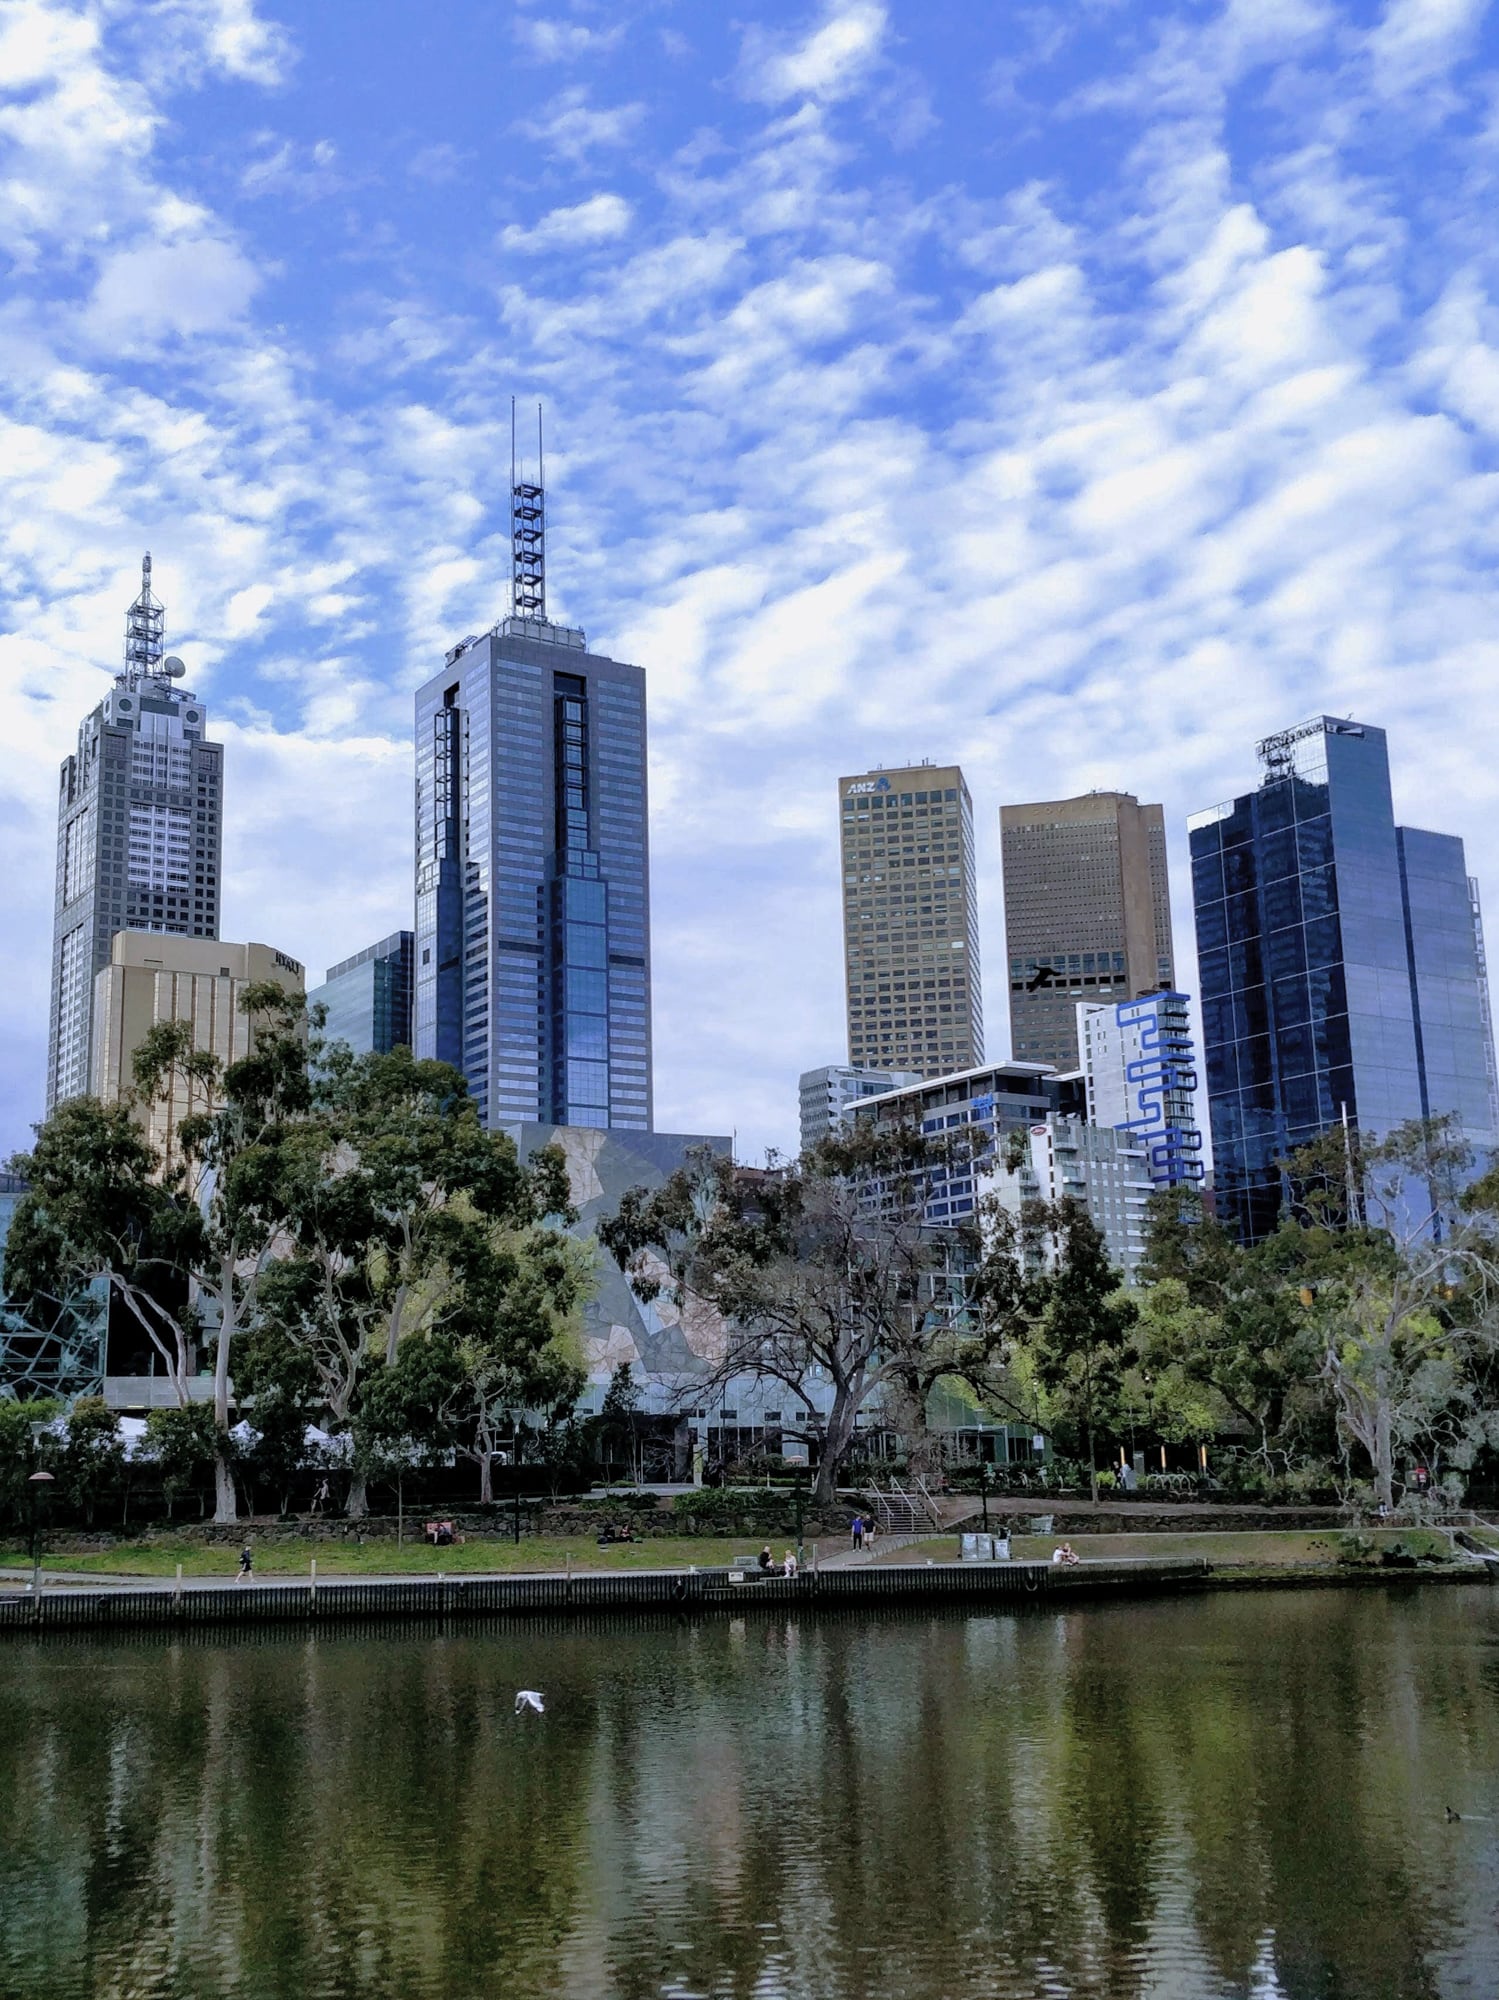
(1233, 1795)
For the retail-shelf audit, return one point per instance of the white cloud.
(825, 64)
(563, 41)
(1418, 40)
(572, 128)
(154, 291)
(600, 219)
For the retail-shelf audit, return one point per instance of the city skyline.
(1076, 409)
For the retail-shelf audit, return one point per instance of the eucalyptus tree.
(822, 1277)
(183, 1240)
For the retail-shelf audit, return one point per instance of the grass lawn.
(159, 1557)
(1271, 1549)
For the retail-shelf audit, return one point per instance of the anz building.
(532, 949)
(1341, 964)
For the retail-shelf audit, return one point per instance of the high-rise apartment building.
(139, 833)
(533, 952)
(1140, 1074)
(367, 998)
(1342, 965)
(153, 978)
(910, 921)
(828, 1095)
(1087, 914)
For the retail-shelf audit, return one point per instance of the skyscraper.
(1087, 914)
(1140, 1075)
(828, 1095)
(1341, 960)
(910, 921)
(368, 997)
(533, 946)
(139, 833)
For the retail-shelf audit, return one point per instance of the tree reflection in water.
(1222, 1797)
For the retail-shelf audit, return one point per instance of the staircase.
(907, 1511)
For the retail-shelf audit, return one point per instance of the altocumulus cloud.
(1139, 396)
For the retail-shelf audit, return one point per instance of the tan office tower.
(152, 977)
(1087, 914)
(910, 921)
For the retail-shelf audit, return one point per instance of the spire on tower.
(145, 629)
(527, 534)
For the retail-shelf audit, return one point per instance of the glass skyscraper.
(1341, 965)
(368, 997)
(139, 832)
(533, 970)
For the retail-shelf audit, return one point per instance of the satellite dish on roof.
(173, 667)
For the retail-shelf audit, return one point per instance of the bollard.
(312, 1588)
(177, 1593)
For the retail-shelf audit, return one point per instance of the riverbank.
(130, 1604)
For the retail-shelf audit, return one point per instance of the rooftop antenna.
(528, 574)
(145, 631)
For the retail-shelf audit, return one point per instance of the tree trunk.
(357, 1505)
(486, 1482)
(835, 1448)
(1092, 1458)
(225, 1509)
(1384, 1466)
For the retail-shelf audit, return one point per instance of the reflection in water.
(1232, 1796)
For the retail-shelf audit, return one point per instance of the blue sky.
(1079, 391)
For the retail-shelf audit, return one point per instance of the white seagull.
(528, 1698)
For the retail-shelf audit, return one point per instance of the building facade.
(910, 921)
(1140, 1077)
(977, 1111)
(1066, 1159)
(1341, 961)
(533, 920)
(153, 978)
(827, 1095)
(139, 834)
(368, 997)
(1087, 914)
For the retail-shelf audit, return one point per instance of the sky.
(1078, 391)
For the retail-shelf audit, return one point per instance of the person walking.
(246, 1563)
(858, 1531)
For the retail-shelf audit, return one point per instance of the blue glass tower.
(1341, 963)
(368, 997)
(532, 867)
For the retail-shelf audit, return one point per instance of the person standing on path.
(858, 1531)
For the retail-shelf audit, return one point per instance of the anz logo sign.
(865, 786)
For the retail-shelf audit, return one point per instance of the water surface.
(1225, 1796)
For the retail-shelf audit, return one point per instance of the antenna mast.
(528, 592)
(145, 631)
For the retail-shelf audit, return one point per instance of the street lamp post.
(798, 1517)
(37, 1486)
(515, 1471)
(984, 1490)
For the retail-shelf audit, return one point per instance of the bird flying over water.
(528, 1698)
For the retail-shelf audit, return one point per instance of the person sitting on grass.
(1065, 1553)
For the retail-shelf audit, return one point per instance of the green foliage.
(21, 1454)
(182, 1444)
(91, 1462)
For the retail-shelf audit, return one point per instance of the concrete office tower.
(1140, 1075)
(139, 831)
(533, 943)
(368, 997)
(152, 978)
(1341, 962)
(910, 921)
(1087, 914)
(827, 1095)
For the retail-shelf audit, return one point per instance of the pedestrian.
(858, 1531)
(320, 1498)
(871, 1534)
(246, 1563)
